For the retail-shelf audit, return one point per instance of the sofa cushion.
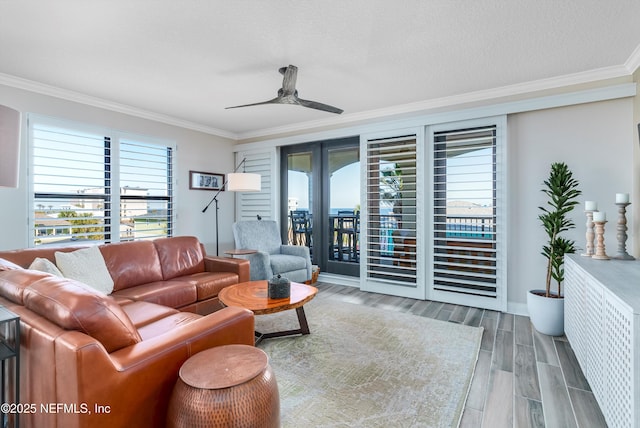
(45, 265)
(13, 282)
(180, 256)
(173, 293)
(143, 313)
(132, 263)
(209, 284)
(73, 306)
(87, 266)
(168, 323)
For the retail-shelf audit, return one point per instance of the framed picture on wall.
(199, 180)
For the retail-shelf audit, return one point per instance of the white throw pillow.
(87, 266)
(45, 265)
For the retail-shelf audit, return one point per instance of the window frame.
(113, 197)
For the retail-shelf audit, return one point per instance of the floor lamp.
(236, 182)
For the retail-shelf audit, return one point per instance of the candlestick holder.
(590, 235)
(622, 254)
(600, 251)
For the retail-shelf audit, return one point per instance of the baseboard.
(514, 308)
(517, 308)
(333, 278)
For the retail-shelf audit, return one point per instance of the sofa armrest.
(226, 264)
(136, 382)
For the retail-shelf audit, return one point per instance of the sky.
(345, 186)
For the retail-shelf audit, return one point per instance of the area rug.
(369, 367)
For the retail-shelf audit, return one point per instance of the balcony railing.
(345, 242)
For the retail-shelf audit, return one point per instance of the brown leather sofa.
(112, 360)
(174, 272)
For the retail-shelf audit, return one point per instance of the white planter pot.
(546, 313)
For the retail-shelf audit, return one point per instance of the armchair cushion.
(282, 263)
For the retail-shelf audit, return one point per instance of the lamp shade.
(243, 182)
(9, 146)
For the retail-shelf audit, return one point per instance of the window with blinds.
(146, 189)
(464, 212)
(92, 187)
(391, 211)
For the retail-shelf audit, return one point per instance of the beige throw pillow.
(45, 265)
(87, 266)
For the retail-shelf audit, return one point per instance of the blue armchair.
(272, 258)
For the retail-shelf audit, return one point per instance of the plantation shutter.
(146, 187)
(391, 217)
(250, 205)
(91, 185)
(465, 220)
(71, 182)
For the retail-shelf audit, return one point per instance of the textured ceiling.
(189, 60)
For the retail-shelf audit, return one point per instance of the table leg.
(302, 320)
(303, 330)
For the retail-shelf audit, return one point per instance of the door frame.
(319, 196)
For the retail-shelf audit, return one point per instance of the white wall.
(596, 139)
(597, 142)
(195, 151)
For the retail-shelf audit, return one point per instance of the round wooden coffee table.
(253, 295)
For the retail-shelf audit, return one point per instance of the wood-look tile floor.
(522, 378)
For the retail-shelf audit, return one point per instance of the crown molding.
(420, 107)
(43, 89)
(633, 62)
(452, 101)
(611, 92)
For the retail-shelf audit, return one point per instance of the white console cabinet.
(602, 323)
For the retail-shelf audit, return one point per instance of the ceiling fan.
(289, 95)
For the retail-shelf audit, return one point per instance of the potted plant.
(546, 307)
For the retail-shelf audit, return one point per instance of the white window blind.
(146, 189)
(391, 211)
(93, 186)
(71, 179)
(464, 212)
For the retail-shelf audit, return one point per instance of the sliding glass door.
(342, 183)
(321, 183)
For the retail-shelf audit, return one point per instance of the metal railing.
(469, 227)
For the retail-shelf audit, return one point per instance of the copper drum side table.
(225, 386)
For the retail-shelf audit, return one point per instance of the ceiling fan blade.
(272, 101)
(289, 80)
(319, 106)
(289, 95)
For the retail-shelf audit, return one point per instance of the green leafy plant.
(562, 190)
